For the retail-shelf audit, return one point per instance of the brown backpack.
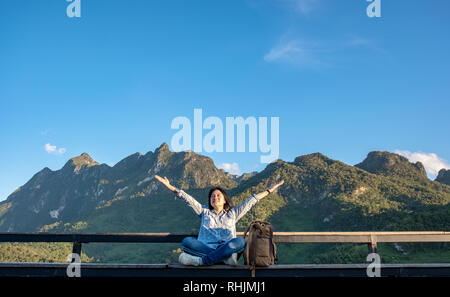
(260, 249)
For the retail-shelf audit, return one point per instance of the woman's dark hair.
(227, 206)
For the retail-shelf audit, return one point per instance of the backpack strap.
(247, 247)
(273, 249)
(253, 264)
(248, 228)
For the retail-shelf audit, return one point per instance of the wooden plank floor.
(178, 270)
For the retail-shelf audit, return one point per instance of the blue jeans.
(210, 256)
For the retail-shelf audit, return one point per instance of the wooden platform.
(371, 238)
(178, 270)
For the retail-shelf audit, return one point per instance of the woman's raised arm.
(270, 190)
(194, 204)
(245, 206)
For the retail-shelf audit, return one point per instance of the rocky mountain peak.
(83, 160)
(314, 159)
(443, 176)
(163, 152)
(390, 164)
(164, 147)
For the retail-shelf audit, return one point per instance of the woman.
(217, 241)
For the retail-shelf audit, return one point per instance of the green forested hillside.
(383, 193)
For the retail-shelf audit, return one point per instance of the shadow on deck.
(177, 270)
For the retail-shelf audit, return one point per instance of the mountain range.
(383, 192)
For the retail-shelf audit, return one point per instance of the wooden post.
(76, 249)
(372, 244)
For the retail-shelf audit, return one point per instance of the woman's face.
(217, 199)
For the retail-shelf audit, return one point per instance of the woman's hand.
(165, 182)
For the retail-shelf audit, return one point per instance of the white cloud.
(284, 51)
(358, 41)
(232, 168)
(51, 149)
(300, 52)
(296, 53)
(432, 162)
(304, 6)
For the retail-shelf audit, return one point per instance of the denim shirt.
(217, 228)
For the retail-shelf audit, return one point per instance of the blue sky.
(111, 82)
